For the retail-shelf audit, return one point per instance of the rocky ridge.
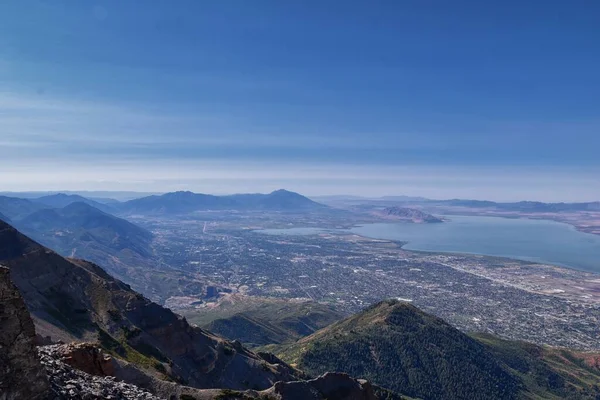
(78, 371)
(68, 382)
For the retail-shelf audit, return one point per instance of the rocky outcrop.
(91, 367)
(87, 357)
(84, 371)
(21, 374)
(68, 382)
(331, 386)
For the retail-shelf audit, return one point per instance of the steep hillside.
(80, 221)
(397, 346)
(260, 321)
(74, 299)
(548, 373)
(80, 230)
(4, 218)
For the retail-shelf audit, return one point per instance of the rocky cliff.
(21, 374)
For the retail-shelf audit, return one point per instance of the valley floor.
(513, 299)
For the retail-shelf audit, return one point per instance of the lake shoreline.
(560, 218)
(539, 241)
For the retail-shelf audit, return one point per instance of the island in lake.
(408, 215)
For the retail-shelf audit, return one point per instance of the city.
(513, 299)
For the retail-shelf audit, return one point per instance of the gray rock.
(68, 382)
(21, 374)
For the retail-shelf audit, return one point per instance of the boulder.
(86, 357)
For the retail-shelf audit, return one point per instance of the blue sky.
(494, 100)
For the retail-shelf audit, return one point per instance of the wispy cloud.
(36, 120)
(227, 176)
(51, 143)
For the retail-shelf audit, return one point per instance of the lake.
(531, 240)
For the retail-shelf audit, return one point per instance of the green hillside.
(397, 346)
(548, 373)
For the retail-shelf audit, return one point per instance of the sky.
(495, 100)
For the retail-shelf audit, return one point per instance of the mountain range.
(186, 202)
(181, 202)
(279, 200)
(519, 206)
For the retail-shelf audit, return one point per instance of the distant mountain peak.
(61, 196)
(185, 202)
(283, 191)
(182, 193)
